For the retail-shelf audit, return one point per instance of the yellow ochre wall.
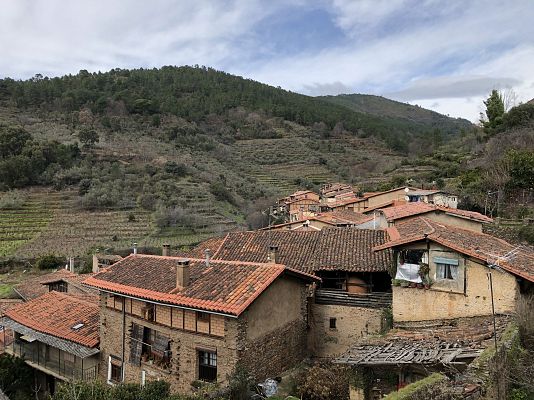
(448, 300)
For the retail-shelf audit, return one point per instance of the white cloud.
(56, 37)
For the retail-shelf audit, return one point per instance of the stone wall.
(273, 331)
(352, 324)
(275, 352)
(184, 347)
(269, 337)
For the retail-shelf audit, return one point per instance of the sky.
(442, 55)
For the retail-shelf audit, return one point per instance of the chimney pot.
(182, 273)
(135, 248)
(166, 250)
(273, 254)
(207, 252)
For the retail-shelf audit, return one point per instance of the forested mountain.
(383, 107)
(179, 153)
(196, 93)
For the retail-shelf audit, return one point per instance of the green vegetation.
(16, 378)
(194, 94)
(25, 162)
(49, 261)
(422, 389)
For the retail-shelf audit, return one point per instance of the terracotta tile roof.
(417, 208)
(348, 249)
(37, 285)
(56, 313)
(345, 216)
(6, 304)
(199, 251)
(391, 203)
(481, 246)
(223, 286)
(332, 218)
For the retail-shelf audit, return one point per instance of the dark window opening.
(203, 317)
(149, 345)
(58, 287)
(333, 323)
(116, 373)
(411, 256)
(207, 366)
(333, 280)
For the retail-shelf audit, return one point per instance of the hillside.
(383, 107)
(175, 155)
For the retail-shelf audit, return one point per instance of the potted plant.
(428, 283)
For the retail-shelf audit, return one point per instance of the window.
(114, 369)
(58, 287)
(333, 323)
(446, 271)
(446, 268)
(148, 344)
(207, 366)
(203, 317)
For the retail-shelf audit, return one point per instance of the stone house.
(387, 217)
(370, 200)
(57, 335)
(461, 263)
(437, 197)
(342, 218)
(190, 320)
(299, 205)
(355, 289)
(61, 280)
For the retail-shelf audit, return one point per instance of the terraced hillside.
(51, 222)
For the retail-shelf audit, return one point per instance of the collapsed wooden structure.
(407, 353)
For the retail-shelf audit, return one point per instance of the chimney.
(135, 248)
(96, 267)
(273, 254)
(71, 264)
(182, 273)
(166, 251)
(207, 252)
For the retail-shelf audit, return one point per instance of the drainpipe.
(123, 336)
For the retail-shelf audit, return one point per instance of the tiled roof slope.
(417, 208)
(223, 286)
(56, 313)
(199, 251)
(332, 218)
(348, 249)
(295, 249)
(37, 286)
(345, 216)
(484, 247)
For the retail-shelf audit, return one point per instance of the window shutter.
(160, 345)
(136, 344)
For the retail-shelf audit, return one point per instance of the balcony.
(342, 298)
(62, 365)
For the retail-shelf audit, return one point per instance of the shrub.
(16, 377)
(12, 200)
(221, 193)
(240, 382)
(49, 261)
(323, 383)
(526, 233)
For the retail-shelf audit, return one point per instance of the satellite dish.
(406, 189)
